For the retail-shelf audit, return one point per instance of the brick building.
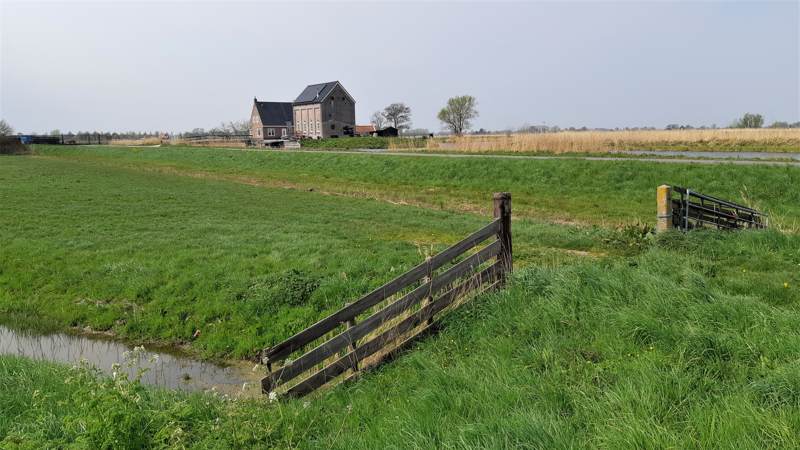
(322, 110)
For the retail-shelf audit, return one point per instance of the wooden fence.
(685, 209)
(363, 333)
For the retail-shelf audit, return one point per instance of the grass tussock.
(689, 344)
(776, 140)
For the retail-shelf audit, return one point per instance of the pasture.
(607, 336)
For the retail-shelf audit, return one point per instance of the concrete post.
(664, 210)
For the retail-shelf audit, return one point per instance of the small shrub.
(11, 145)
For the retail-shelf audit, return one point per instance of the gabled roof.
(274, 113)
(315, 93)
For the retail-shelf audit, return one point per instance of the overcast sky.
(176, 66)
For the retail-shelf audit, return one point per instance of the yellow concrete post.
(664, 200)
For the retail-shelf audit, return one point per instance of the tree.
(749, 121)
(5, 128)
(234, 127)
(55, 132)
(780, 125)
(458, 113)
(378, 119)
(399, 115)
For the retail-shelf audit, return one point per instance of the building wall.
(338, 112)
(307, 120)
(256, 130)
(279, 132)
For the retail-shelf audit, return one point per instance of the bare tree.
(458, 113)
(399, 115)
(5, 128)
(378, 119)
(236, 127)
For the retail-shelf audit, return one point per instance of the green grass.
(684, 340)
(689, 344)
(347, 143)
(718, 146)
(153, 257)
(563, 190)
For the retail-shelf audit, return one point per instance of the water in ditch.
(165, 369)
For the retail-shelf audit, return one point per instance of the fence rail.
(685, 209)
(350, 340)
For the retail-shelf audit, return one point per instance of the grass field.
(606, 193)
(607, 337)
(155, 256)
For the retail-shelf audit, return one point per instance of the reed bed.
(142, 141)
(774, 140)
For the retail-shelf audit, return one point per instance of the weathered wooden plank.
(302, 338)
(502, 212)
(352, 334)
(339, 366)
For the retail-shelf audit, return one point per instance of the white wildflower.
(306, 404)
(273, 396)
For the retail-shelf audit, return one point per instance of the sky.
(175, 66)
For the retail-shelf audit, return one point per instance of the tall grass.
(603, 141)
(690, 344)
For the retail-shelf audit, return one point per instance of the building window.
(305, 126)
(333, 126)
(283, 132)
(319, 127)
(270, 131)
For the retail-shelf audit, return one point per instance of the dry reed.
(604, 141)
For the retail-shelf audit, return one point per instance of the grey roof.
(314, 93)
(274, 113)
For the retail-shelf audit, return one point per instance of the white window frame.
(305, 126)
(284, 132)
(271, 132)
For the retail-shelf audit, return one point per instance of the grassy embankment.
(682, 341)
(692, 343)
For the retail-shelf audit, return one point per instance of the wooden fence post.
(664, 209)
(502, 211)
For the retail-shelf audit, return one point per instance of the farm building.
(386, 132)
(365, 130)
(324, 110)
(271, 120)
(320, 111)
